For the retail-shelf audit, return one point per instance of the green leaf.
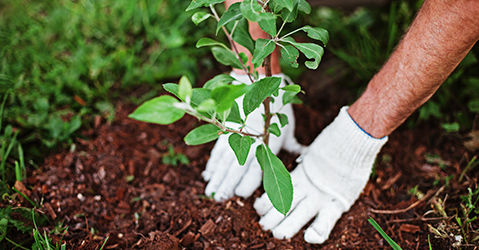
(160, 110)
(253, 11)
(241, 146)
(199, 17)
(3, 228)
(268, 26)
(198, 96)
(202, 3)
(207, 106)
(219, 80)
(209, 42)
(259, 91)
(304, 6)
(451, 127)
(233, 13)
(289, 97)
(226, 95)
(263, 48)
(184, 89)
(290, 15)
(288, 4)
(276, 179)
(274, 129)
(242, 36)
(244, 57)
(473, 106)
(283, 119)
(234, 115)
(310, 50)
(292, 88)
(202, 134)
(317, 33)
(290, 55)
(172, 88)
(226, 57)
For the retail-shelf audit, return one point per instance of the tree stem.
(267, 101)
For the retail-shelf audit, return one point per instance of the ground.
(114, 187)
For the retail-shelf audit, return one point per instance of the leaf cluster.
(218, 102)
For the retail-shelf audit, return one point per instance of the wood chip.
(184, 227)
(409, 228)
(20, 187)
(257, 246)
(391, 181)
(50, 210)
(208, 227)
(188, 239)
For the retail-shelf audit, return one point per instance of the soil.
(114, 188)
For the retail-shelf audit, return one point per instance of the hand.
(328, 180)
(226, 177)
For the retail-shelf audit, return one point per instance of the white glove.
(330, 177)
(226, 177)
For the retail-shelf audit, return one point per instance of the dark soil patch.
(115, 185)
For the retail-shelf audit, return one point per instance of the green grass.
(64, 62)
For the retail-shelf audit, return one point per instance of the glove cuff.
(340, 159)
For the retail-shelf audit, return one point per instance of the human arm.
(337, 165)
(438, 39)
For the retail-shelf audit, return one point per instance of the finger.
(324, 223)
(273, 218)
(217, 154)
(302, 213)
(220, 172)
(251, 180)
(262, 204)
(233, 176)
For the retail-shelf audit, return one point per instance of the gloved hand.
(329, 178)
(226, 177)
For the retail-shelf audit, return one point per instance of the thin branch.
(415, 204)
(267, 101)
(233, 45)
(191, 111)
(242, 133)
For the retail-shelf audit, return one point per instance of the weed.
(173, 158)
(470, 213)
(390, 241)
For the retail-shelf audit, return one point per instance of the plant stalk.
(267, 101)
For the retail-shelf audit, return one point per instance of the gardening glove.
(226, 177)
(328, 179)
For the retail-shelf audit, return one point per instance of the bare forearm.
(439, 38)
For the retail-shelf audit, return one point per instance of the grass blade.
(391, 242)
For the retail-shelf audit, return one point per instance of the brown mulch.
(114, 187)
